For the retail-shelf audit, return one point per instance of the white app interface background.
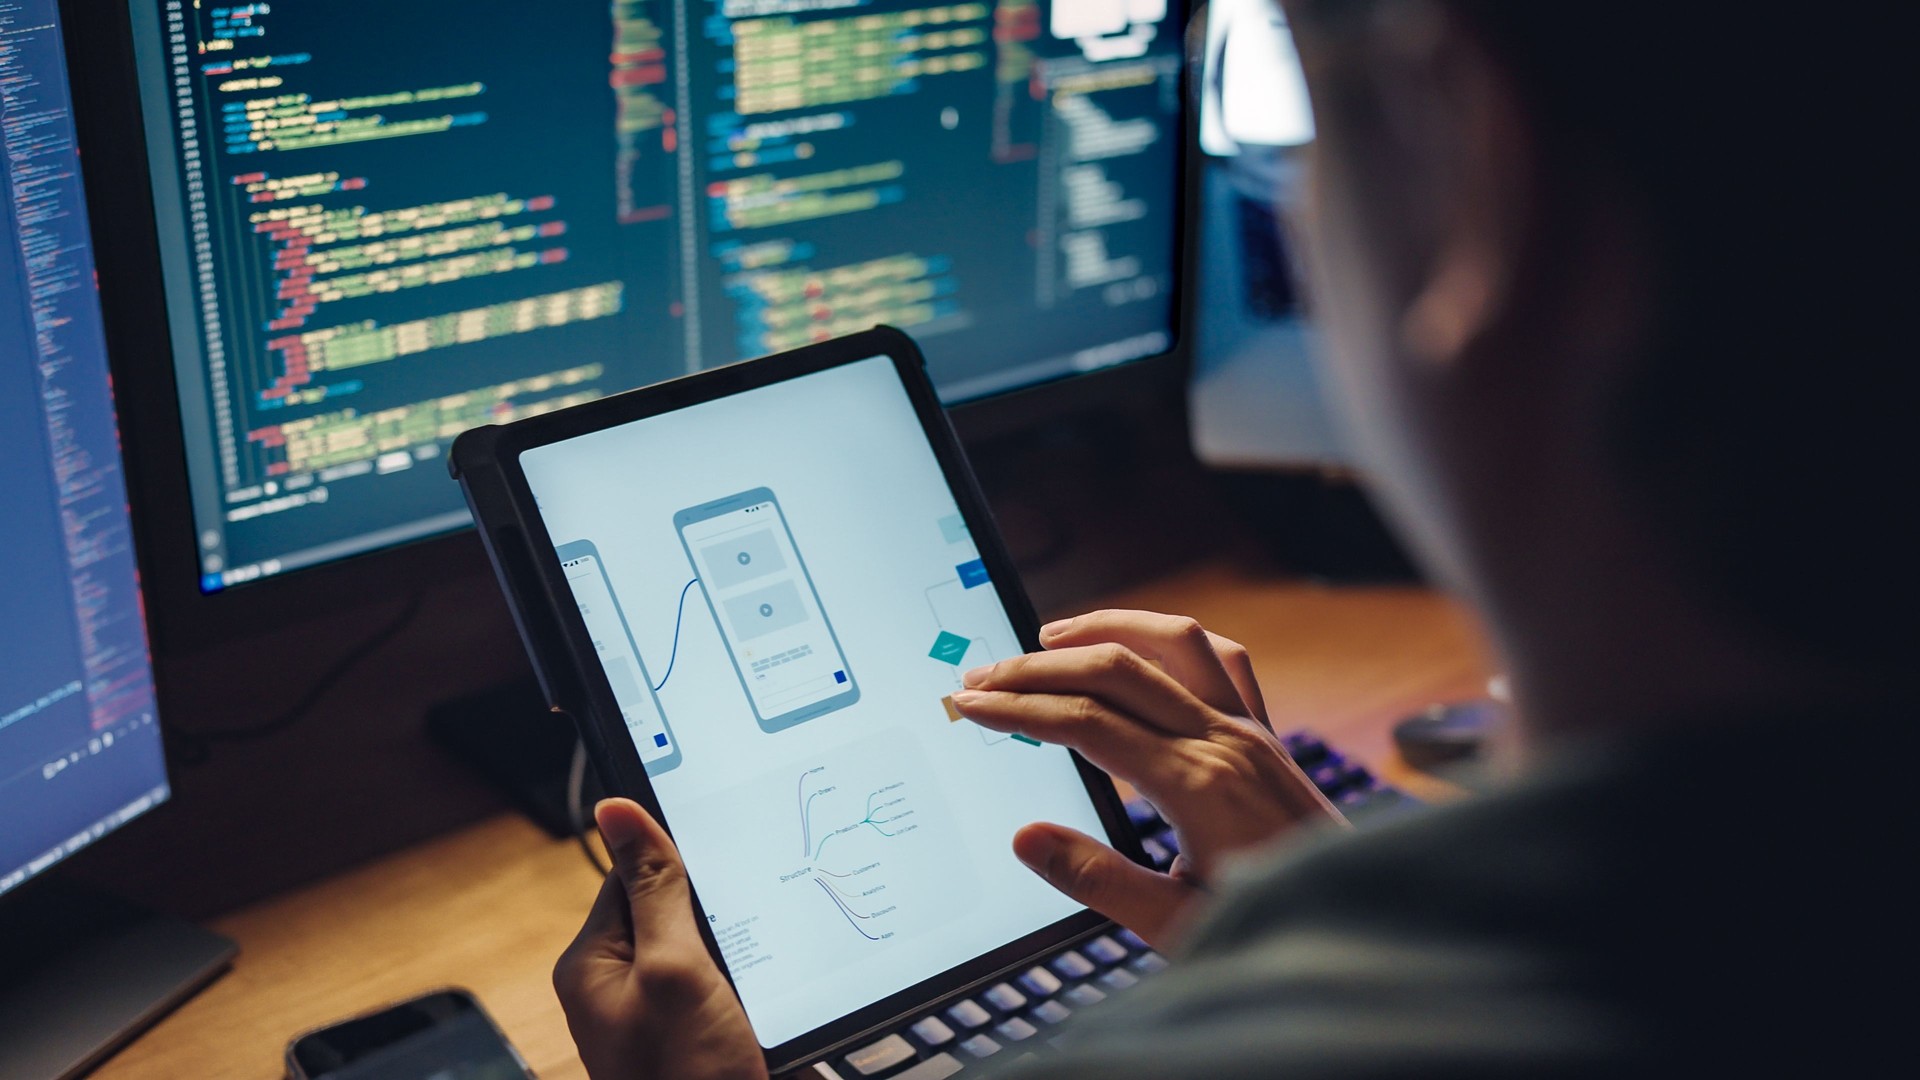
(859, 852)
(613, 644)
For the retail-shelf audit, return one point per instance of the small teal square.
(949, 648)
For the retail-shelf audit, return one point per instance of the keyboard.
(1019, 1012)
(1012, 1014)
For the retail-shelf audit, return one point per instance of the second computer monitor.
(381, 224)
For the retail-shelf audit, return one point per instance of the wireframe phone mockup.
(769, 612)
(633, 688)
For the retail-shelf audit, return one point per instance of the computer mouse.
(1447, 733)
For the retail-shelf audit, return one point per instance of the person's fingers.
(1143, 900)
(1179, 644)
(1115, 743)
(601, 950)
(1239, 665)
(658, 900)
(609, 925)
(1111, 673)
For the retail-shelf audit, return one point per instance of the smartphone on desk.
(444, 1035)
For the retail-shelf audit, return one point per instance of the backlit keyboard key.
(933, 1031)
(1015, 1030)
(938, 1067)
(1051, 1012)
(1072, 965)
(969, 1014)
(1106, 950)
(1119, 979)
(1149, 962)
(1085, 994)
(1132, 940)
(1305, 750)
(1040, 982)
(1005, 998)
(980, 1046)
(881, 1056)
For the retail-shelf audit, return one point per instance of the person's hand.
(1175, 711)
(643, 997)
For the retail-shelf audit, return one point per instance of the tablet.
(754, 590)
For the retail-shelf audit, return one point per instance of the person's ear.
(1455, 111)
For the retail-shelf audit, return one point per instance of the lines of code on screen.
(391, 222)
(79, 750)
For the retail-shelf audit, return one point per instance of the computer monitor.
(380, 224)
(80, 754)
(1258, 399)
(80, 750)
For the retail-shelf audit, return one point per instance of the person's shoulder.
(1631, 906)
(1478, 868)
(1400, 951)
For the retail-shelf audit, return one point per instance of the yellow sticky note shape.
(953, 711)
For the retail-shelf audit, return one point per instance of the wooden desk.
(489, 907)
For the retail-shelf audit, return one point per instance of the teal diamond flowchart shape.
(949, 648)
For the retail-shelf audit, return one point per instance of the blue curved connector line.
(678, 616)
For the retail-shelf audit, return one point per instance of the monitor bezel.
(184, 619)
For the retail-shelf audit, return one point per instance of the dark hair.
(1766, 431)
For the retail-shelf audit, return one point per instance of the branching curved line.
(843, 905)
(823, 844)
(806, 841)
(836, 888)
(678, 618)
(844, 911)
(806, 822)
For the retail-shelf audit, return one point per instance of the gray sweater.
(1684, 904)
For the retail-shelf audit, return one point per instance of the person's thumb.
(649, 869)
(1138, 898)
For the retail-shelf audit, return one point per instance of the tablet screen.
(783, 592)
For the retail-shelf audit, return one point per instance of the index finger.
(1180, 645)
(1111, 673)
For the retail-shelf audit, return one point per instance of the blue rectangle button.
(659, 740)
(972, 573)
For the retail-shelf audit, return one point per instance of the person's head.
(1599, 285)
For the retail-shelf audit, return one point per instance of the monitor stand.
(507, 735)
(86, 972)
